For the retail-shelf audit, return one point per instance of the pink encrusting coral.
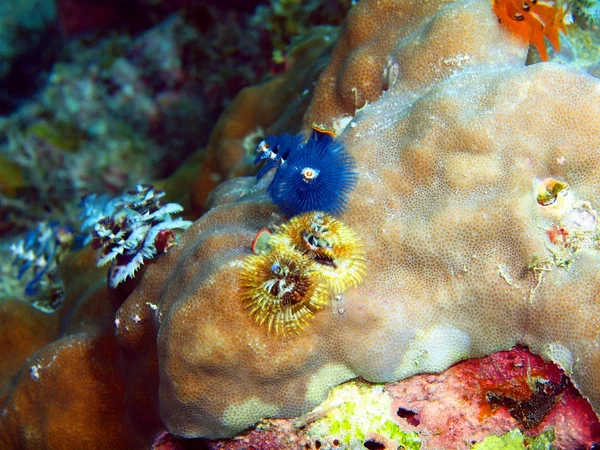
(494, 395)
(502, 396)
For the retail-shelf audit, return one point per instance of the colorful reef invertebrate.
(531, 20)
(295, 271)
(316, 175)
(275, 150)
(282, 289)
(94, 207)
(139, 228)
(36, 259)
(553, 198)
(333, 246)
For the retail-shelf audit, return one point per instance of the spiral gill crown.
(282, 290)
(334, 248)
(310, 259)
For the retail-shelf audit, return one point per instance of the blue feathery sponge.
(315, 176)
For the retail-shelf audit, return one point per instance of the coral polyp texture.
(137, 228)
(467, 253)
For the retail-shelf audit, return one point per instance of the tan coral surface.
(387, 41)
(459, 259)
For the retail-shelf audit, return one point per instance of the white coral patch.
(434, 350)
(559, 354)
(237, 416)
(321, 381)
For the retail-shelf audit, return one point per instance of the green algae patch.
(352, 411)
(515, 440)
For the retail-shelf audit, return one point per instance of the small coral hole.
(411, 417)
(374, 445)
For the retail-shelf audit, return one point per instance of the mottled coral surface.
(449, 157)
(493, 395)
(462, 261)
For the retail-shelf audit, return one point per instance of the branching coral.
(112, 112)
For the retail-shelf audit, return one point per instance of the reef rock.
(476, 202)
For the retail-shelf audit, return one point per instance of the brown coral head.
(282, 290)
